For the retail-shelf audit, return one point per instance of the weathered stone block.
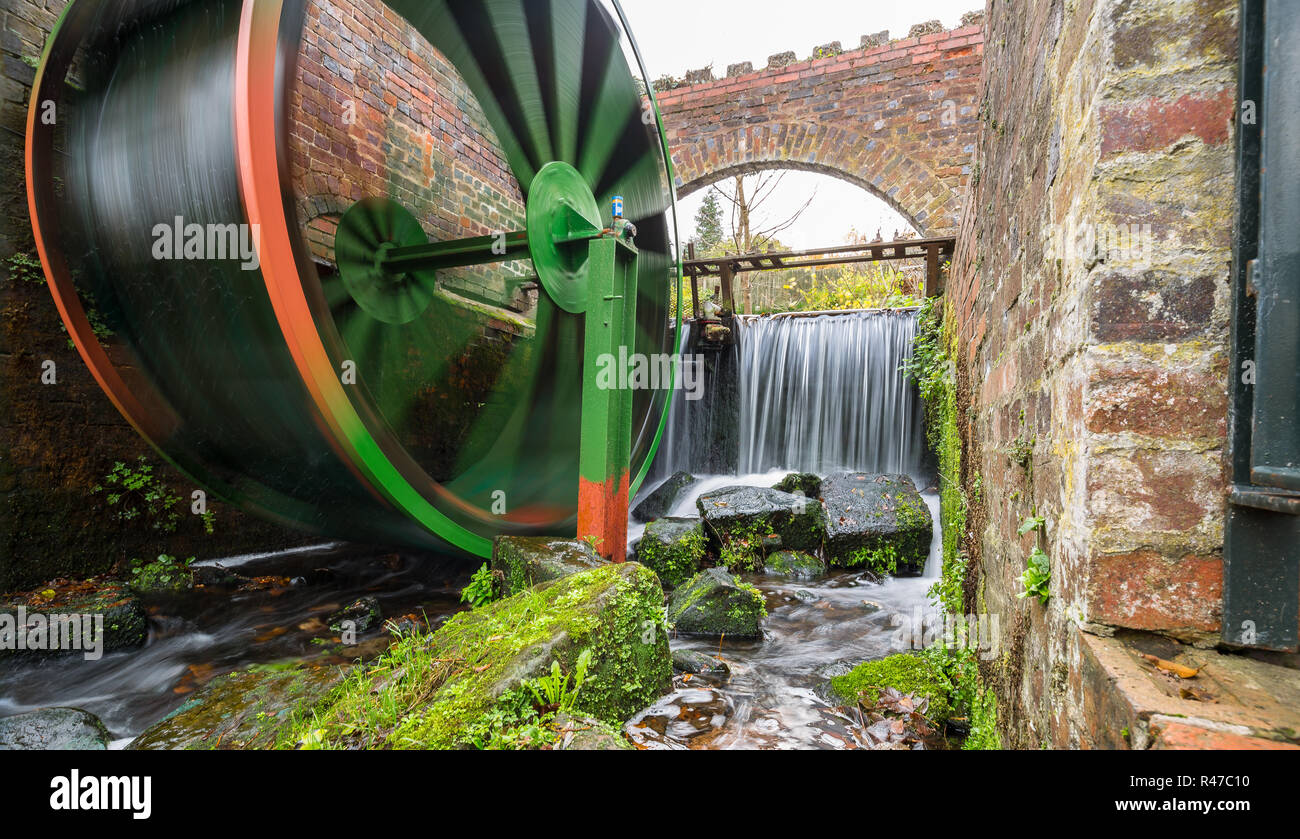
(749, 522)
(876, 521)
(716, 603)
(525, 561)
(673, 548)
(659, 503)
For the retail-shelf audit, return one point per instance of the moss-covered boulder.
(879, 522)
(800, 482)
(796, 565)
(716, 603)
(660, 503)
(66, 620)
(906, 673)
(446, 689)
(525, 561)
(673, 548)
(750, 522)
(361, 615)
(53, 729)
(247, 709)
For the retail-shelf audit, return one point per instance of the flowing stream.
(815, 394)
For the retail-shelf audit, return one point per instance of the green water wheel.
(348, 384)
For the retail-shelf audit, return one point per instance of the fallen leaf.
(1171, 667)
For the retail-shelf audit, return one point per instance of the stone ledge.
(1243, 703)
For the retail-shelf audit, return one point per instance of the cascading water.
(808, 394)
(824, 394)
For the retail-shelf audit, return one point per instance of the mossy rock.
(673, 548)
(906, 673)
(125, 623)
(433, 691)
(749, 522)
(53, 729)
(246, 709)
(800, 482)
(584, 734)
(880, 522)
(796, 565)
(660, 503)
(525, 561)
(715, 603)
(361, 615)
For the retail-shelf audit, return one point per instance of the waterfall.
(815, 394)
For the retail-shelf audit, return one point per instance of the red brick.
(1154, 123)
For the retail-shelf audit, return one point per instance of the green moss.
(443, 690)
(715, 603)
(674, 554)
(933, 356)
(905, 673)
(882, 559)
(983, 723)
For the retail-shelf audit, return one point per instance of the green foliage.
(930, 366)
(1037, 577)
(983, 723)
(882, 559)
(554, 691)
(166, 573)
(484, 588)
(708, 225)
(842, 287)
(138, 495)
(23, 267)
(1030, 524)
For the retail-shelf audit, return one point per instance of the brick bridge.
(897, 118)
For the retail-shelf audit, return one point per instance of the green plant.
(166, 573)
(1037, 577)
(1031, 524)
(25, 268)
(137, 494)
(484, 587)
(553, 691)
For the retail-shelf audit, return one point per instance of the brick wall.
(897, 118)
(1089, 295)
(377, 111)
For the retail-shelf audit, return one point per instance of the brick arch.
(905, 184)
(897, 118)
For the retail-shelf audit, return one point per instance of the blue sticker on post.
(618, 206)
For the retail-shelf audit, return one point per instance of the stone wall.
(897, 118)
(1089, 302)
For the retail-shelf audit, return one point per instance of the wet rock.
(803, 595)
(659, 503)
(796, 565)
(673, 548)
(525, 561)
(248, 709)
(361, 615)
(879, 522)
(805, 482)
(584, 734)
(715, 603)
(443, 690)
(696, 663)
(67, 620)
(216, 576)
(750, 522)
(54, 729)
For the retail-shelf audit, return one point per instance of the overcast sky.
(680, 35)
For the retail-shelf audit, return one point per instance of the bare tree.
(751, 231)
